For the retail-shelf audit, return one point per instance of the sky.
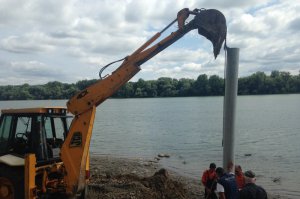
(71, 40)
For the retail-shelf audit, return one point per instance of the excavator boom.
(75, 150)
(210, 23)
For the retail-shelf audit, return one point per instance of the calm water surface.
(190, 130)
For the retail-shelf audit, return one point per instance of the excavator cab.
(41, 131)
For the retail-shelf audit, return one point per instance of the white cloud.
(28, 72)
(72, 40)
(31, 42)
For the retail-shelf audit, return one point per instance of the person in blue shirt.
(226, 186)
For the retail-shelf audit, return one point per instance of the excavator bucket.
(211, 24)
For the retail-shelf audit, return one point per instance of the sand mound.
(131, 186)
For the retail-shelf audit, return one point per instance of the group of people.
(234, 184)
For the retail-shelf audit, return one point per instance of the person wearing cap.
(226, 186)
(251, 190)
(209, 178)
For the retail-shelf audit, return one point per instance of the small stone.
(162, 155)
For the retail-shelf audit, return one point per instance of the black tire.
(13, 179)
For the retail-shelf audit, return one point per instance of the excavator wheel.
(84, 193)
(11, 182)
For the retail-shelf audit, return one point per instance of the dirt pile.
(123, 178)
(131, 186)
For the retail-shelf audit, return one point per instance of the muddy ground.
(123, 178)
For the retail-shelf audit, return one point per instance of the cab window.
(5, 129)
(59, 128)
(23, 128)
(48, 128)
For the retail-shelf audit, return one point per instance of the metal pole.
(231, 86)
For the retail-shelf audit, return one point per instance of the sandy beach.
(124, 178)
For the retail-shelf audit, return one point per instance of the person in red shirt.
(209, 178)
(239, 177)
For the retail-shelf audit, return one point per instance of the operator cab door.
(56, 129)
(21, 134)
(14, 134)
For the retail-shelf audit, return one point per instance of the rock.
(157, 158)
(162, 172)
(147, 164)
(162, 155)
(276, 180)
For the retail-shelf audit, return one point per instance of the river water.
(190, 131)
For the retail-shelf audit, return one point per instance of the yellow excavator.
(44, 152)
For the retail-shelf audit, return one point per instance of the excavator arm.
(75, 150)
(210, 23)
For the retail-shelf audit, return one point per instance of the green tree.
(151, 88)
(53, 90)
(140, 88)
(125, 91)
(295, 88)
(243, 86)
(216, 85)
(184, 87)
(38, 91)
(166, 87)
(201, 87)
(281, 81)
(69, 90)
(82, 84)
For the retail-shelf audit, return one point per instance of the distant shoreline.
(278, 82)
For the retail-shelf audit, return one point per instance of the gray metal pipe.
(229, 112)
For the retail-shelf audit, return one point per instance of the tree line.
(278, 82)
